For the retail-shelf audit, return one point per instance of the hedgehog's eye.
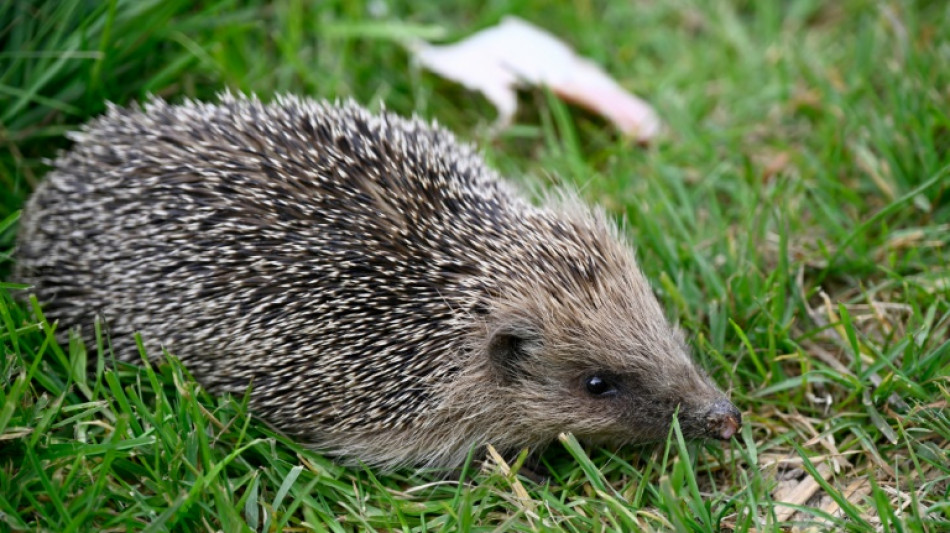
(600, 386)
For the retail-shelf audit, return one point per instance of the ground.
(794, 218)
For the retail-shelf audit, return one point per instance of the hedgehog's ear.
(510, 345)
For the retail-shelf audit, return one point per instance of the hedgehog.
(389, 299)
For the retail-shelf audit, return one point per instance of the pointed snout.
(723, 420)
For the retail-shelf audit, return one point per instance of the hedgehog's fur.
(388, 297)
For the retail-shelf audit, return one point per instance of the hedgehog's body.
(390, 300)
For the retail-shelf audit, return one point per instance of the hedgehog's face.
(606, 366)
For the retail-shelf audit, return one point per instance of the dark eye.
(599, 386)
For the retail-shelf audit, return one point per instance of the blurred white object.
(515, 53)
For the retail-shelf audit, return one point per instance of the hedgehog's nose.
(723, 420)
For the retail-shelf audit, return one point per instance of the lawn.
(794, 218)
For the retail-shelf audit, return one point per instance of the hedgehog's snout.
(723, 420)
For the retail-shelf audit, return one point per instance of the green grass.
(795, 219)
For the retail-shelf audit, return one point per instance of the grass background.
(794, 219)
